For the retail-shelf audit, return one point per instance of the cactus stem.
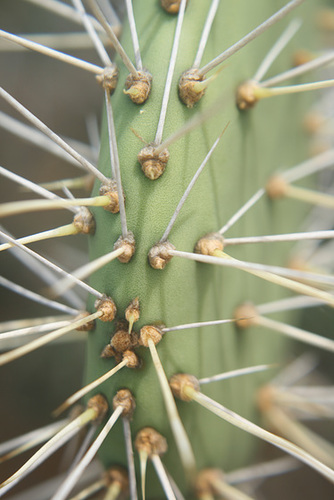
(189, 188)
(191, 124)
(205, 30)
(247, 206)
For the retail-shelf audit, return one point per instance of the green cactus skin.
(256, 143)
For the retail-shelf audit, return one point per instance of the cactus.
(179, 291)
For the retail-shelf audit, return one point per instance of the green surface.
(256, 143)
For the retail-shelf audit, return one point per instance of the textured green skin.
(251, 148)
